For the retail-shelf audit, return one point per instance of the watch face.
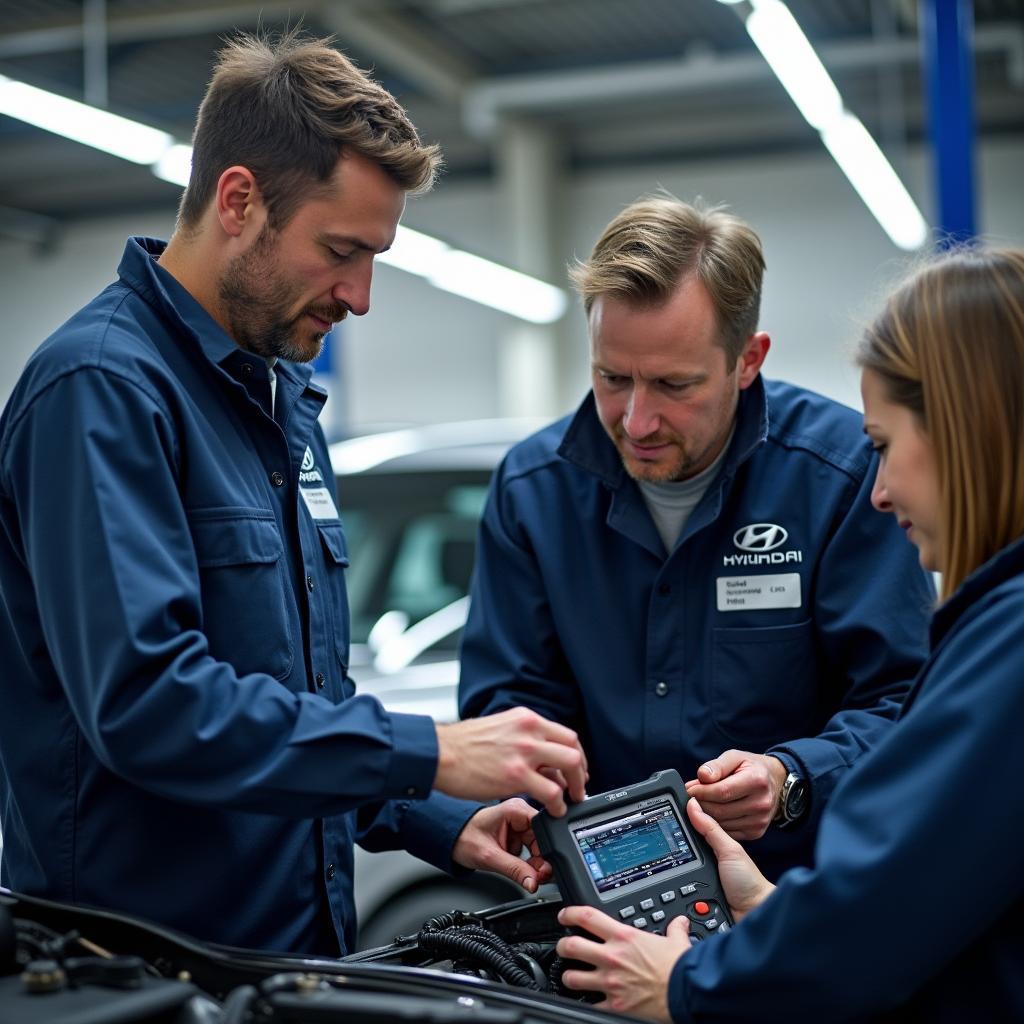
(796, 800)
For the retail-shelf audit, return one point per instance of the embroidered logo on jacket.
(308, 473)
(759, 537)
(758, 541)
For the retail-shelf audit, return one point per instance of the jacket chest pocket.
(243, 586)
(335, 555)
(764, 684)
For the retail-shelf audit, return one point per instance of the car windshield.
(411, 539)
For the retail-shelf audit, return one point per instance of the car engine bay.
(64, 964)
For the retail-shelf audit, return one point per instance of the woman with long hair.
(915, 907)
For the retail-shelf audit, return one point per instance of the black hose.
(454, 943)
(453, 919)
(555, 971)
(239, 1003)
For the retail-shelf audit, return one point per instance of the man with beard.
(180, 738)
(688, 571)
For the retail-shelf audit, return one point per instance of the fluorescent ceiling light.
(876, 182)
(175, 164)
(449, 269)
(475, 278)
(790, 55)
(82, 123)
(414, 252)
(796, 65)
(478, 279)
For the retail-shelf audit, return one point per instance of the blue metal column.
(949, 69)
(327, 373)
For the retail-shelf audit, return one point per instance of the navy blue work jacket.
(915, 909)
(179, 737)
(799, 636)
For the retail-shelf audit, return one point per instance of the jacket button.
(277, 479)
(319, 680)
(309, 583)
(247, 369)
(662, 688)
(330, 872)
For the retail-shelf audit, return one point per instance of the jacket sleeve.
(927, 809)
(871, 610)
(427, 829)
(110, 554)
(511, 654)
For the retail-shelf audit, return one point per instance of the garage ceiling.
(617, 81)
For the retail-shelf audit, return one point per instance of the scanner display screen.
(623, 851)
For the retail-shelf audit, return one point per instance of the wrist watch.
(792, 800)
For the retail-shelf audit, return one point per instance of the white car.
(411, 502)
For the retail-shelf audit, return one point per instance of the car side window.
(412, 545)
(433, 565)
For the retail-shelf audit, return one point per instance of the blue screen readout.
(635, 846)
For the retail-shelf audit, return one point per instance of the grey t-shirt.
(671, 503)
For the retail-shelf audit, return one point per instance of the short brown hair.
(286, 108)
(949, 345)
(647, 250)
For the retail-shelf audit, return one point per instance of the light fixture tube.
(175, 164)
(78, 121)
(449, 269)
(790, 55)
(476, 278)
(875, 181)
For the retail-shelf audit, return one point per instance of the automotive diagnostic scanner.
(634, 854)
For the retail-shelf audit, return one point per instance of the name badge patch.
(320, 502)
(740, 593)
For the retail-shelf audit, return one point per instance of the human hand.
(493, 839)
(740, 790)
(516, 751)
(631, 967)
(744, 886)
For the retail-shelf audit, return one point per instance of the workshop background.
(552, 114)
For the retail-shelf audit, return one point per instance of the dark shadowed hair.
(949, 346)
(286, 109)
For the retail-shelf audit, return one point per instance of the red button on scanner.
(700, 907)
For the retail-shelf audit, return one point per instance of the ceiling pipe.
(488, 101)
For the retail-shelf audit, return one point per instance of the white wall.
(422, 355)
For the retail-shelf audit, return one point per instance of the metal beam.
(567, 90)
(23, 226)
(94, 41)
(385, 37)
(186, 21)
(392, 42)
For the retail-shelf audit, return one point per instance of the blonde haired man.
(688, 570)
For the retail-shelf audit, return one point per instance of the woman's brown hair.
(949, 345)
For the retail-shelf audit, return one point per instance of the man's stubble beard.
(656, 472)
(255, 301)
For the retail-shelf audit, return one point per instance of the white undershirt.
(270, 361)
(671, 503)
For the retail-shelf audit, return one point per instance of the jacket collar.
(587, 445)
(141, 272)
(1002, 566)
